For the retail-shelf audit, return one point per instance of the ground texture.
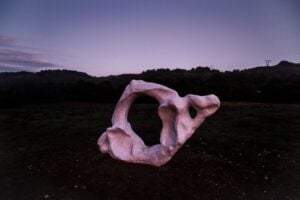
(245, 151)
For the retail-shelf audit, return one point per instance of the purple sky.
(119, 36)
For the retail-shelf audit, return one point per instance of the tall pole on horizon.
(268, 62)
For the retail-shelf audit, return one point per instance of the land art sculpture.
(122, 143)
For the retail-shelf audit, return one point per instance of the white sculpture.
(122, 143)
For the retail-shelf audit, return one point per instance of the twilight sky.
(129, 36)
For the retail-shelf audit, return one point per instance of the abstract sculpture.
(122, 143)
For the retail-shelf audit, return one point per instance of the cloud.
(6, 41)
(8, 68)
(16, 58)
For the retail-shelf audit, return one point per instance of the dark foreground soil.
(244, 151)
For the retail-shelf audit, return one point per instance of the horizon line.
(136, 73)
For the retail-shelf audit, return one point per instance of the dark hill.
(284, 67)
(53, 76)
(279, 83)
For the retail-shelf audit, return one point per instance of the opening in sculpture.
(179, 124)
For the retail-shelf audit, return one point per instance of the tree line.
(277, 84)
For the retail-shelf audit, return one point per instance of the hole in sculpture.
(144, 119)
(192, 111)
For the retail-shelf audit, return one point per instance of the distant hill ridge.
(279, 83)
(73, 75)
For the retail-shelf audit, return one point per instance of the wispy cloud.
(17, 58)
(6, 41)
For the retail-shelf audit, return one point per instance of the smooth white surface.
(122, 143)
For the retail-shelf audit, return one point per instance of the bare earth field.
(245, 151)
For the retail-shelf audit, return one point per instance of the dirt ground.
(245, 151)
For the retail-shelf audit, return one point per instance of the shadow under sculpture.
(122, 143)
